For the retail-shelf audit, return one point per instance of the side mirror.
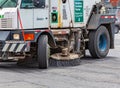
(39, 3)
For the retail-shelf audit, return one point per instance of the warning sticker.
(78, 10)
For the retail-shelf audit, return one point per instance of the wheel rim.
(102, 42)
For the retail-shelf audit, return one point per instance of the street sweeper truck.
(58, 29)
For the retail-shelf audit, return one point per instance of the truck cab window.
(33, 4)
(27, 4)
(39, 3)
(8, 3)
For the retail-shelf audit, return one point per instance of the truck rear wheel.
(43, 52)
(99, 42)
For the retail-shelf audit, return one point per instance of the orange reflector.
(29, 37)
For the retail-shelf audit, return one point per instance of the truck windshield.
(8, 3)
(33, 4)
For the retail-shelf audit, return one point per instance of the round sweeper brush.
(60, 60)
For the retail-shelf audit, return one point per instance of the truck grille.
(6, 23)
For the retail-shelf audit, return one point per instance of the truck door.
(41, 14)
(26, 13)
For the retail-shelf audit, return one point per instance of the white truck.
(60, 29)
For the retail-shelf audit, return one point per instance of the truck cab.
(31, 14)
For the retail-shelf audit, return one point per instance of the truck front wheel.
(99, 42)
(42, 53)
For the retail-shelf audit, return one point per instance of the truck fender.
(95, 21)
(51, 40)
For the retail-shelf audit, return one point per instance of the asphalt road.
(92, 73)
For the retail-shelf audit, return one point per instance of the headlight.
(16, 36)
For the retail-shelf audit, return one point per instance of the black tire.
(43, 52)
(99, 42)
(116, 29)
